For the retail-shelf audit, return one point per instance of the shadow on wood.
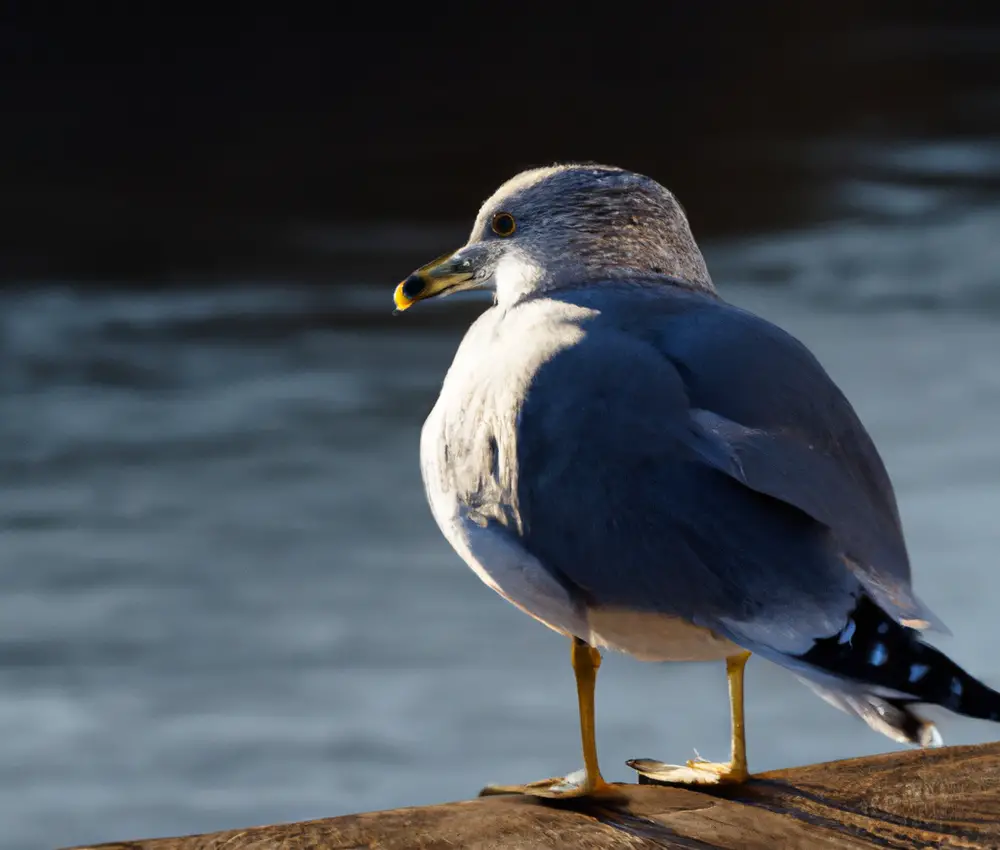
(922, 798)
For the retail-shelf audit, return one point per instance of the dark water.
(224, 602)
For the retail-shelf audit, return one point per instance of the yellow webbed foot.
(696, 772)
(574, 785)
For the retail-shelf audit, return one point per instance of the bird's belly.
(649, 636)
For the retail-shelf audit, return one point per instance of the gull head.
(565, 226)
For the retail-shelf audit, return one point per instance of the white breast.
(649, 636)
(494, 553)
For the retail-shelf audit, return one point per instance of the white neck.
(516, 276)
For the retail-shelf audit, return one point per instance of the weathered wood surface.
(918, 799)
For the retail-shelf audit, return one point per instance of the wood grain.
(919, 799)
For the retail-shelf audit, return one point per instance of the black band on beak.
(413, 286)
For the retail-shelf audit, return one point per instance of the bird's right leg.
(586, 661)
(698, 771)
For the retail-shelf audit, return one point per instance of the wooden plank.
(918, 799)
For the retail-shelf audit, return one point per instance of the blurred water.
(223, 600)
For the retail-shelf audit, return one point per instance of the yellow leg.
(735, 666)
(698, 772)
(586, 662)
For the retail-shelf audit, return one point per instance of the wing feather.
(745, 490)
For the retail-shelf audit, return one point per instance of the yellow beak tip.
(400, 300)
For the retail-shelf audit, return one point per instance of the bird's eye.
(503, 224)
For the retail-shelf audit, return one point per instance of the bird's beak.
(447, 274)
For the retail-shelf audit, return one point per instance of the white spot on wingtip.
(956, 686)
(930, 737)
(917, 672)
(879, 655)
(847, 632)
(882, 628)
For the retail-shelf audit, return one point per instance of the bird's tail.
(893, 718)
(876, 668)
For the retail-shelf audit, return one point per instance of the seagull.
(643, 467)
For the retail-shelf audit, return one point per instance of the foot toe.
(695, 772)
(572, 785)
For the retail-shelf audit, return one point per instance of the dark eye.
(504, 224)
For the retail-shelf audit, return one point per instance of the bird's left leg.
(586, 661)
(698, 771)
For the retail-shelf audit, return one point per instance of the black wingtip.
(874, 650)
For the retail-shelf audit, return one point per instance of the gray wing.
(737, 525)
(776, 422)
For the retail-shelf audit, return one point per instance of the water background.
(223, 600)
